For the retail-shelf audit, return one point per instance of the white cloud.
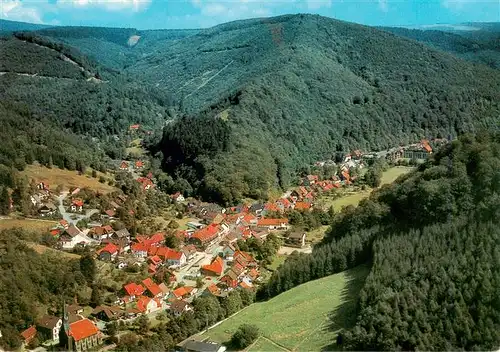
(110, 5)
(15, 10)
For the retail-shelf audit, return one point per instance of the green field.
(393, 173)
(354, 197)
(305, 318)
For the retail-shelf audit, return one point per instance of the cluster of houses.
(79, 333)
(43, 200)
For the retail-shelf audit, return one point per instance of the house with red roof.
(139, 164)
(206, 235)
(284, 204)
(108, 253)
(134, 290)
(124, 166)
(77, 205)
(247, 219)
(64, 224)
(183, 292)
(152, 288)
(171, 256)
(230, 279)
(101, 232)
(134, 127)
(178, 197)
(55, 232)
(274, 224)
(140, 250)
(148, 305)
(83, 335)
(244, 259)
(216, 268)
(146, 183)
(29, 334)
(155, 260)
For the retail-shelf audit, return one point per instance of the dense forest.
(58, 116)
(316, 87)
(434, 245)
(290, 90)
(479, 45)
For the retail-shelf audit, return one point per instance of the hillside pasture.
(65, 178)
(391, 175)
(34, 225)
(305, 318)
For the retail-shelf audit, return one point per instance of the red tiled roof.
(135, 127)
(180, 292)
(110, 248)
(139, 247)
(55, 232)
(151, 286)
(124, 165)
(207, 233)
(29, 333)
(63, 222)
(142, 303)
(139, 163)
(426, 146)
(110, 212)
(271, 207)
(82, 329)
(77, 202)
(244, 255)
(249, 218)
(216, 267)
(166, 253)
(272, 222)
(133, 289)
(155, 260)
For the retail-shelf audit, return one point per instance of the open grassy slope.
(65, 178)
(304, 318)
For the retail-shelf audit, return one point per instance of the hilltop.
(475, 42)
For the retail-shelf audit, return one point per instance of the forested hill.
(293, 89)
(433, 240)
(283, 92)
(480, 44)
(56, 110)
(7, 26)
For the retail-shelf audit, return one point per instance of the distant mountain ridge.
(12, 26)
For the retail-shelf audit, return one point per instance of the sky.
(156, 14)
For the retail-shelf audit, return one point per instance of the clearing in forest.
(66, 178)
(305, 318)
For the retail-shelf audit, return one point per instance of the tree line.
(441, 216)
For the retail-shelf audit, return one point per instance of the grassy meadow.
(305, 318)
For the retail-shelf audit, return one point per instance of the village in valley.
(155, 253)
